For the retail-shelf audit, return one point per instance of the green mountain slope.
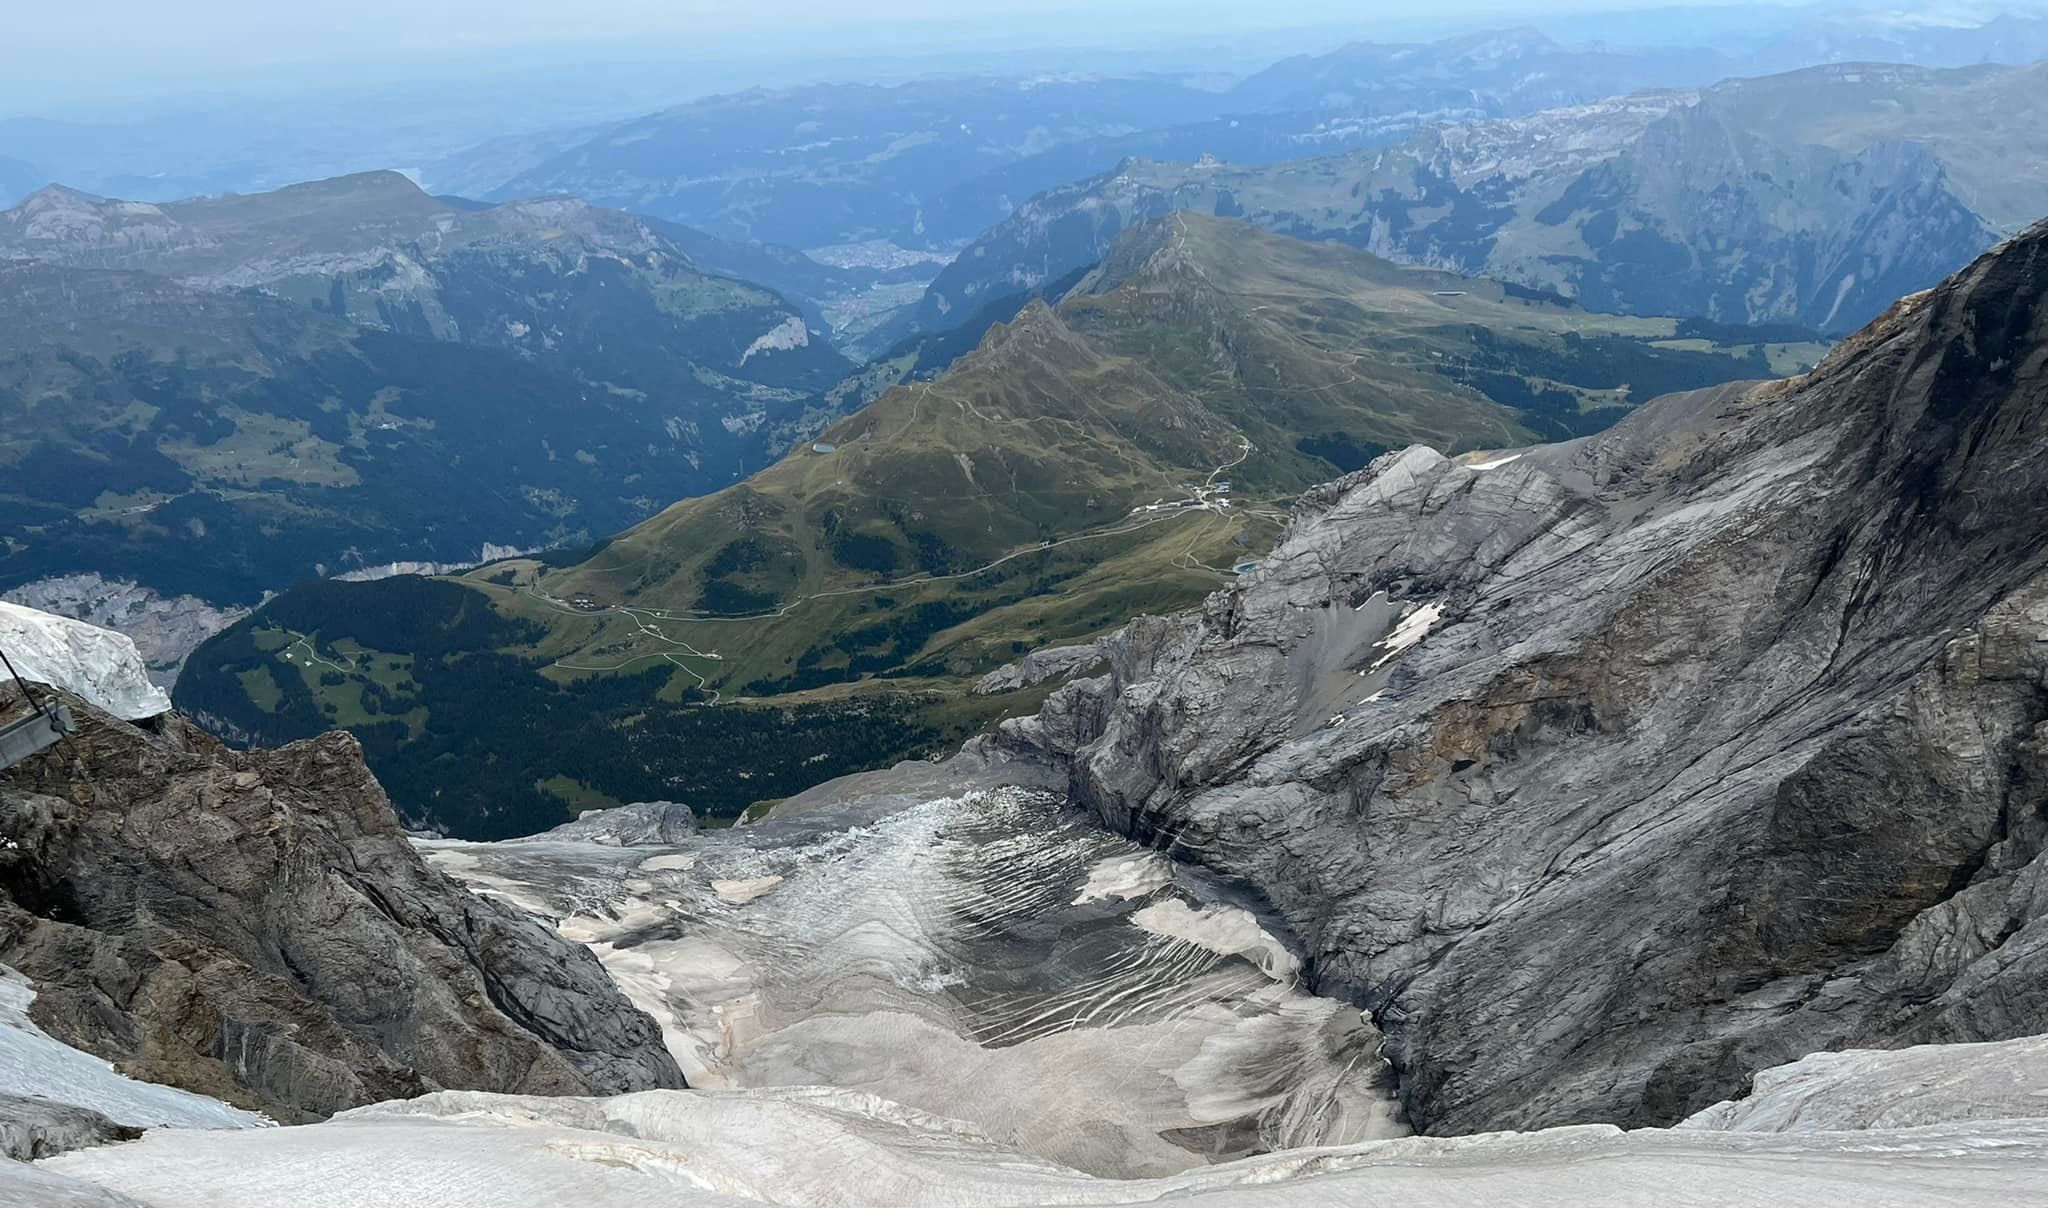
(1111, 455)
(224, 396)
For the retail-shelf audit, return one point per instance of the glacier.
(989, 957)
(98, 664)
(977, 998)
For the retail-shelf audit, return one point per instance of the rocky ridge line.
(1610, 774)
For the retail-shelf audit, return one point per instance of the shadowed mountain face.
(224, 396)
(1815, 197)
(1112, 455)
(1609, 774)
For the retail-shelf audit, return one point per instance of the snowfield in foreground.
(843, 1149)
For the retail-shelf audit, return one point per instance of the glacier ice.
(933, 1008)
(97, 664)
(989, 957)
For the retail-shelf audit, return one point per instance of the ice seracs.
(98, 664)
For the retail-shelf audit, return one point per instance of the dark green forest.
(495, 729)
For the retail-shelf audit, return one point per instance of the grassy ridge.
(842, 598)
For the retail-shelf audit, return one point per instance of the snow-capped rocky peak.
(98, 664)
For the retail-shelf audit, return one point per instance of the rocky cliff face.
(1609, 774)
(255, 927)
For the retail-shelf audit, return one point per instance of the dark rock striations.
(254, 926)
(1725, 738)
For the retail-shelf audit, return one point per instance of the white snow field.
(843, 1149)
(98, 664)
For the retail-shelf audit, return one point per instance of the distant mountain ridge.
(933, 162)
(1814, 197)
(939, 160)
(378, 374)
(370, 248)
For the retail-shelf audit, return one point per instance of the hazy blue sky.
(140, 44)
(234, 29)
(60, 54)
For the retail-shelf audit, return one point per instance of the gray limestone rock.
(642, 824)
(254, 926)
(33, 1128)
(1039, 666)
(1610, 774)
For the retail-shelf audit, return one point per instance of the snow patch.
(789, 334)
(1122, 878)
(165, 629)
(1413, 628)
(1223, 930)
(739, 893)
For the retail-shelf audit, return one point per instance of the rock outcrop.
(1611, 774)
(54, 1097)
(254, 926)
(33, 1128)
(1047, 663)
(642, 824)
